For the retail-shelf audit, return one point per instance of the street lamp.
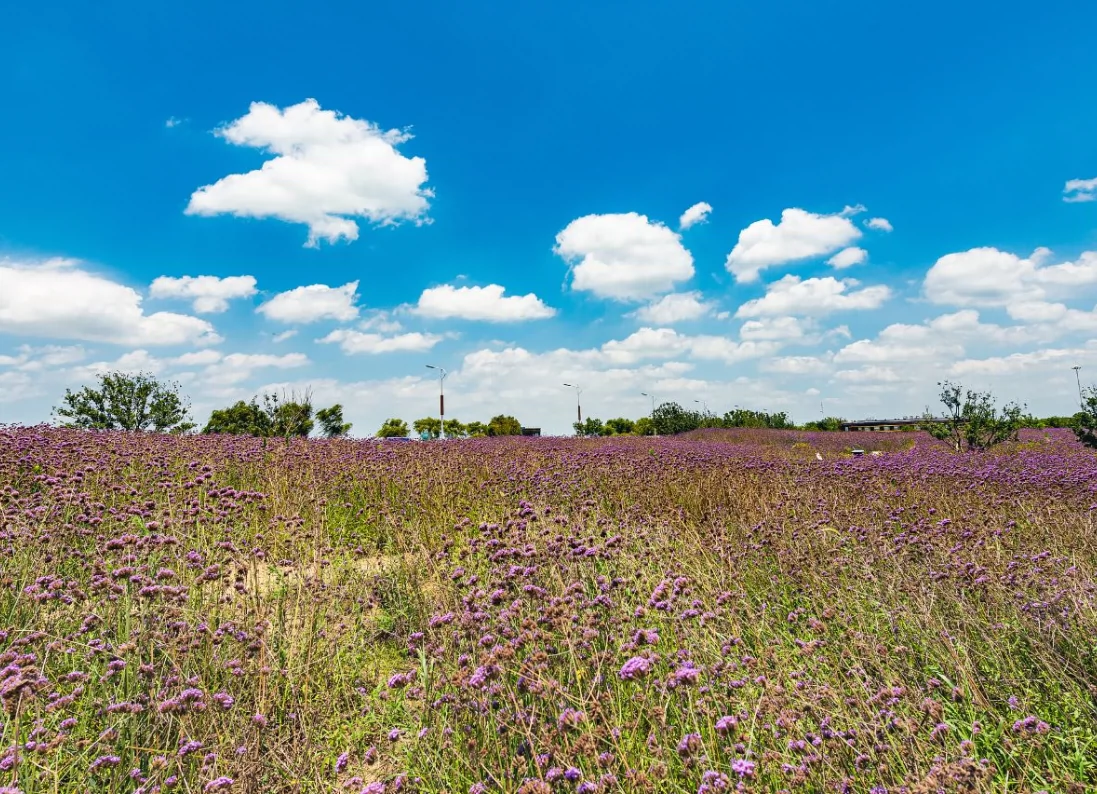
(703, 404)
(654, 432)
(1078, 377)
(578, 407)
(441, 399)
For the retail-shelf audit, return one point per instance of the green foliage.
(127, 402)
(973, 421)
(279, 417)
(643, 427)
(830, 424)
(455, 429)
(429, 425)
(476, 429)
(671, 418)
(241, 419)
(1085, 421)
(502, 425)
(620, 426)
(743, 417)
(393, 428)
(331, 421)
(590, 427)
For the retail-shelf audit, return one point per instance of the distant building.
(531, 431)
(881, 425)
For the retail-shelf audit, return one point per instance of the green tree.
(123, 401)
(241, 419)
(431, 425)
(830, 424)
(454, 429)
(393, 428)
(620, 426)
(331, 421)
(671, 418)
(290, 416)
(476, 429)
(972, 419)
(590, 427)
(644, 427)
(1085, 421)
(503, 425)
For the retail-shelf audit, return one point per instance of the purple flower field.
(723, 612)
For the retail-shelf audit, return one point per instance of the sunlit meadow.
(737, 610)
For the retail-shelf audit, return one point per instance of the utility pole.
(441, 399)
(1078, 377)
(578, 407)
(654, 431)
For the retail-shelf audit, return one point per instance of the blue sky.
(896, 196)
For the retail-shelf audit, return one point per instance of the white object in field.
(818, 456)
(876, 453)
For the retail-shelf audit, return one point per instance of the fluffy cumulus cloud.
(313, 303)
(60, 299)
(654, 343)
(696, 214)
(327, 169)
(993, 278)
(814, 297)
(352, 342)
(1077, 190)
(623, 256)
(674, 308)
(848, 257)
(798, 235)
(880, 224)
(917, 352)
(488, 304)
(210, 294)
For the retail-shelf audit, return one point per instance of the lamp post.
(1078, 377)
(578, 407)
(441, 399)
(654, 431)
(703, 404)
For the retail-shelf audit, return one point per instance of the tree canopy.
(123, 401)
(393, 428)
(973, 420)
(503, 425)
(331, 421)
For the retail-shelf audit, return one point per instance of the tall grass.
(721, 612)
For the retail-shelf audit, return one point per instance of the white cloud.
(869, 374)
(1077, 190)
(351, 342)
(799, 365)
(381, 322)
(848, 257)
(282, 337)
(239, 367)
(813, 297)
(211, 294)
(936, 342)
(328, 169)
(798, 235)
(173, 122)
(1049, 359)
(674, 308)
(59, 299)
(198, 358)
(648, 343)
(880, 224)
(777, 328)
(623, 256)
(480, 303)
(698, 213)
(312, 303)
(989, 277)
